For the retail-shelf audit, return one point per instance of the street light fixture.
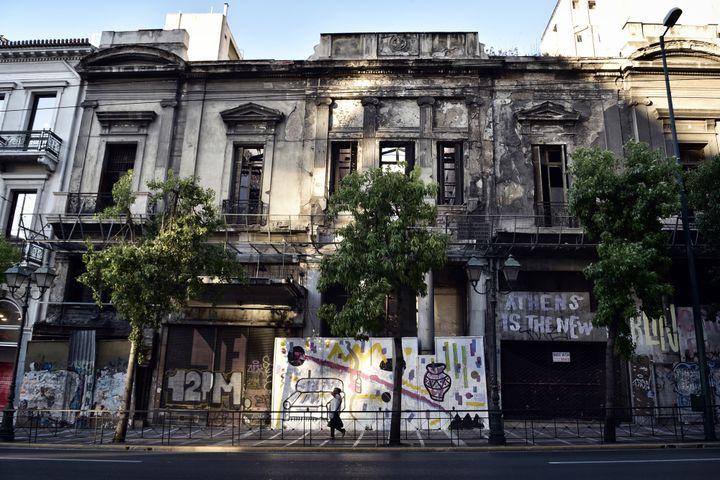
(475, 267)
(22, 276)
(670, 19)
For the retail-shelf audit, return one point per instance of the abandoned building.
(274, 138)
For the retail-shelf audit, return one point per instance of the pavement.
(544, 436)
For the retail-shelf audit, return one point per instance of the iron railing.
(87, 203)
(364, 428)
(31, 141)
(244, 212)
(554, 214)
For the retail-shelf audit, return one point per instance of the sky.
(287, 29)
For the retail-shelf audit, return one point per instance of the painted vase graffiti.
(436, 381)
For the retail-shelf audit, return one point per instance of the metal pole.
(7, 430)
(497, 432)
(708, 422)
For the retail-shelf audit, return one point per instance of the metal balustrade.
(44, 141)
(420, 428)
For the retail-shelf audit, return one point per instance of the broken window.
(551, 184)
(343, 162)
(451, 173)
(691, 154)
(246, 182)
(393, 155)
(119, 158)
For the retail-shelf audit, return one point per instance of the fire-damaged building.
(274, 139)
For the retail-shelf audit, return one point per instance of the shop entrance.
(553, 379)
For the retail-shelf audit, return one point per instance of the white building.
(611, 28)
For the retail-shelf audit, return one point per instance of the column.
(320, 165)
(426, 318)
(167, 124)
(78, 166)
(424, 158)
(369, 152)
(477, 307)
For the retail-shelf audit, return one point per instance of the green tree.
(704, 198)
(383, 252)
(620, 203)
(153, 275)
(9, 255)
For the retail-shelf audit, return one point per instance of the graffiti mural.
(203, 387)
(655, 335)
(453, 378)
(686, 327)
(554, 316)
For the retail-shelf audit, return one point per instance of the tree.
(9, 254)
(620, 203)
(151, 276)
(384, 252)
(704, 198)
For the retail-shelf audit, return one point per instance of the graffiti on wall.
(307, 370)
(655, 335)
(547, 316)
(687, 382)
(258, 385)
(686, 328)
(203, 387)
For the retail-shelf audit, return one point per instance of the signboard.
(561, 357)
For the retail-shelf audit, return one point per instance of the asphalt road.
(552, 465)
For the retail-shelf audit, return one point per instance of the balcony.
(42, 145)
(554, 214)
(244, 212)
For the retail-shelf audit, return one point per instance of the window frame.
(457, 199)
(409, 159)
(13, 213)
(35, 99)
(336, 175)
(235, 187)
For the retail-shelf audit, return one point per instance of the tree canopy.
(387, 245)
(153, 275)
(620, 203)
(704, 198)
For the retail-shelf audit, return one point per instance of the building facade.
(40, 93)
(274, 139)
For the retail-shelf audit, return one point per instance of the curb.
(403, 449)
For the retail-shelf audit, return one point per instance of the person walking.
(335, 422)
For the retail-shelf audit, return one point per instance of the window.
(579, 38)
(551, 183)
(691, 154)
(394, 154)
(246, 182)
(119, 158)
(591, 4)
(21, 211)
(42, 111)
(344, 162)
(451, 174)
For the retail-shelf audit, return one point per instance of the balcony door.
(246, 182)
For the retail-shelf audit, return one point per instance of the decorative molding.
(168, 102)
(426, 101)
(689, 113)
(370, 101)
(251, 118)
(548, 112)
(27, 84)
(89, 104)
(125, 121)
(323, 101)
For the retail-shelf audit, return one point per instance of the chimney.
(225, 9)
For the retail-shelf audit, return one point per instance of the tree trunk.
(404, 298)
(609, 426)
(121, 427)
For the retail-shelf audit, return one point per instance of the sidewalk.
(539, 436)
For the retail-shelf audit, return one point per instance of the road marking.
(362, 434)
(296, 440)
(580, 462)
(42, 459)
(460, 443)
(323, 443)
(271, 438)
(422, 442)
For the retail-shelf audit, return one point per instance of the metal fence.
(422, 428)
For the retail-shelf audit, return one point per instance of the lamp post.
(475, 267)
(17, 277)
(670, 19)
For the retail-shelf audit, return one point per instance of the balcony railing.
(554, 214)
(30, 141)
(87, 203)
(244, 212)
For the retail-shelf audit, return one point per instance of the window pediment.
(548, 112)
(251, 113)
(125, 121)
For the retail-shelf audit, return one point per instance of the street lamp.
(22, 276)
(670, 19)
(475, 267)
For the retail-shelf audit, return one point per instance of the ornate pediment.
(548, 112)
(251, 113)
(131, 58)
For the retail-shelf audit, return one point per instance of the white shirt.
(335, 403)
